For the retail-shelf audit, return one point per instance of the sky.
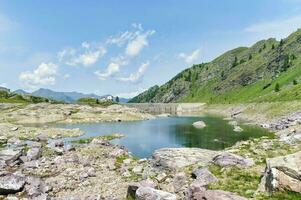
(124, 47)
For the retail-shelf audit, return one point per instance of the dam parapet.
(170, 108)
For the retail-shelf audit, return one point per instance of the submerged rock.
(237, 129)
(228, 160)
(174, 158)
(282, 173)
(148, 193)
(199, 124)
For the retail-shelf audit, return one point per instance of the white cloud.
(131, 94)
(135, 46)
(44, 74)
(111, 70)
(135, 77)
(121, 39)
(278, 28)
(3, 85)
(192, 57)
(88, 54)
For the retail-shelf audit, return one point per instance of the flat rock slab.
(203, 177)
(11, 183)
(217, 195)
(9, 156)
(174, 158)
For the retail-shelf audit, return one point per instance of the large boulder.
(226, 159)
(11, 183)
(148, 193)
(174, 158)
(199, 124)
(282, 173)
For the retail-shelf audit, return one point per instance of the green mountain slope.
(240, 75)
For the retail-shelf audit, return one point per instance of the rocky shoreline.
(262, 168)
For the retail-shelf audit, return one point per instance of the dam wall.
(169, 108)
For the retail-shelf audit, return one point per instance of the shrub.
(277, 87)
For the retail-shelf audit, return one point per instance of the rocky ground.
(262, 168)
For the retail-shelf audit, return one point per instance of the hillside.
(12, 97)
(244, 74)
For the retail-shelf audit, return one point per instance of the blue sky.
(124, 47)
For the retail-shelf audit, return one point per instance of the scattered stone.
(137, 169)
(11, 183)
(14, 129)
(233, 123)
(161, 177)
(199, 124)
(282, 173)
(127, 161)
(203, 177)
(226, 159)
(148, 193)
(3, 139)
(174, 158)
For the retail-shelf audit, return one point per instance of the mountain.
(69, 97)
(270, 70)
(19, 91)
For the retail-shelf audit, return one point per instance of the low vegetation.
(95, 102)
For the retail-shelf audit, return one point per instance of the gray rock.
(282, 173)
(11, 183)
(132, 188)
(216, 195)
(14, 129)
(9, 156)
(35, 187)
(179, 181)
(34, 153)
(174, 158)
(199, 124)
(148, 193)
(226, 159)
(42, 137)
(203, 176)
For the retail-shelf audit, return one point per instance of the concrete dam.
(169, 108)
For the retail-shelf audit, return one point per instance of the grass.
(240, 181)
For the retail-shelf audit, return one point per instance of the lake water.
(142, 138)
